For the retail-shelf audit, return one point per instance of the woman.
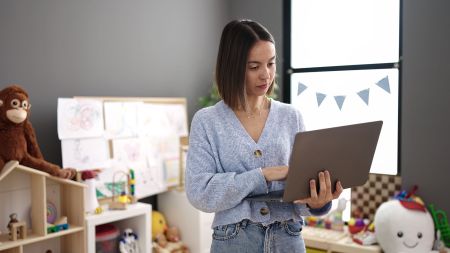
(241, 147)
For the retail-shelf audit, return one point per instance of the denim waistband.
(244, 223)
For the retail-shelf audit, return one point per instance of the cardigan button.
(264, 211)
(257, 153)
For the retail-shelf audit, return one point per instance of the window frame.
(288, 70)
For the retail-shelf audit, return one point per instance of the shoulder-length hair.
(238, 37)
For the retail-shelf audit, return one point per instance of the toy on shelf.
(127, 196)
(17, 229)
(366, 236)
(17, 135)
(106, 238)
(441, 223)
(132, 186)
(91, 202)
(314, 221)
(334, 219)
(128, 242)
(166, 239)
(356, 225)
(159, 225)
(59, 225)
(404, 225)
(52, 212)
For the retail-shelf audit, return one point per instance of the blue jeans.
(250, 237)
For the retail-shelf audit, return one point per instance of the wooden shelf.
(33, 238)
(71, 204)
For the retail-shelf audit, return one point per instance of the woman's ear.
(1, 102)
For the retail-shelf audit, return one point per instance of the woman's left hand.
(325, 195)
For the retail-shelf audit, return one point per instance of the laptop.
(345, 151)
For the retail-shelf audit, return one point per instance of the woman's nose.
(265, 73)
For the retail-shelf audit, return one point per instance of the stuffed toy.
(128, 242)
(17, 136)
(166, 239)
(403, 225)
(159, 224)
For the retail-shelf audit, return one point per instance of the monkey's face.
(16, 108)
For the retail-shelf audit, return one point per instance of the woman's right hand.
(276, 173)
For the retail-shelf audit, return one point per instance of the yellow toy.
(165, 239)
(159, 224)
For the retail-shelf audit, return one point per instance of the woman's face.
(260, 70)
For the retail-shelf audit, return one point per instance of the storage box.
(106, 239)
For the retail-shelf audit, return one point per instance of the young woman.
(241, 147)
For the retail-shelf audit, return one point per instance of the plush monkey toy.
(17, 138)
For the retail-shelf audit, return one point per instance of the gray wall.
(425, 130)
(66, 48)
(269, 13)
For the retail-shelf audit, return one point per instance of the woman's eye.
(253, 67)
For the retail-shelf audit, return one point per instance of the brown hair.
(238, 37)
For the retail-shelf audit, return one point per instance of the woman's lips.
(264, 86)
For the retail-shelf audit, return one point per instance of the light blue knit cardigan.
(222, 168)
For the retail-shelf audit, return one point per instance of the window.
(342, 64)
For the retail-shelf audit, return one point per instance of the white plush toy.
(404, 225)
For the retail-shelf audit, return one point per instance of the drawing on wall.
(79, 118)
(121, 119)
(129, 152)
(164, 155)
(162, 120)
(89, 153)
(139, 134)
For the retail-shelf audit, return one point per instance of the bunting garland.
(301, 88)
(339, 101)
(320, 97)
(384, 84)
(363, 94)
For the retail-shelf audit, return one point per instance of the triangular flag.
(364, 95)
(384, 84)
(320, 97)
(301, 88)
(339, 101)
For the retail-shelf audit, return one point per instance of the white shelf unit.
(20, 184)
(137, 217)
(194, 225)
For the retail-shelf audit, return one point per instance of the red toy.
(17, 137)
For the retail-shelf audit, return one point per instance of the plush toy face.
(159, 225)
(14, 105)
(399, 229)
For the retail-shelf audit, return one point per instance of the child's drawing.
(121, 119)
(129, 152)
(79, 118)
(85, 153)
(162, 120)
